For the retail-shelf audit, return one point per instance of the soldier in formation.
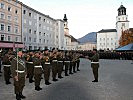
(18, 71)
(35, 64)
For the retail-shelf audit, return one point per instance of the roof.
(107, 30)
(121, 7)
(128, 47)
(131, 29)
(73, 39)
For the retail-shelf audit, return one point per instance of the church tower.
(66, 29)
(122, 22)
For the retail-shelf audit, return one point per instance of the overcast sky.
(84, 16)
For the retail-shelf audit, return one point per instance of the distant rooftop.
(107, 30)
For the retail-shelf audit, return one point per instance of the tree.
(126, 37)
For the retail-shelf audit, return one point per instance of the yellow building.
(10, 24)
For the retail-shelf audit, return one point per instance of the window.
(9, 8)
(111, 43)
(30, 14)
(2, 6)
(9, 18)
(2, 16)
(44, 34)
(100, 43)
(16, 39)
(24, 38)
(39, 25)
(40, 40)
(29, 39)
(16, 29)
(16, 19)
(2, 27)
(2, 37)
(39, 18)
(123, 24)
(107, 38)
(9, 28)
(16, 11)
(40, 33)
(111, 38)
(34, 32)
(9, 38)
(34, 39)
(44, 40)
(44, 20)
(29, 30)
(35, 47)
(24, 11)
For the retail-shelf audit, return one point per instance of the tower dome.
(121, 10)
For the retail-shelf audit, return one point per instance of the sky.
(84, 16)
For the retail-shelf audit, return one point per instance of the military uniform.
(37, 72)
(67, 63)
(54, 64)
(78, 62)
(46, 67)
(95, 65)
(6, 67)
(60, 64)
(30, 66)
(71, 63)
(0, 63)
(18, 71)
(74, 59)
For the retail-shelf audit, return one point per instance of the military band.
(48, 63)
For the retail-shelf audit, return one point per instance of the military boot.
(22, 96)
(18, 97)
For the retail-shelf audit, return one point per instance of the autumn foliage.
(126, 37)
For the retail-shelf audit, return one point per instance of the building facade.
(40, 31)
(108, 39)
(87, 46)
(10, 24)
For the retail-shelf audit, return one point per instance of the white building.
(40, 31)
(108, 39)
(87, 46)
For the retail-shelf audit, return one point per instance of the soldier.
(78, 61)
(30, 66)
(74, 58)
(95, 64)
(71, 62)
(37, 70)
(67, 63)
(18, 71)
(46, 66)
(60, 64)
(0, 63)
(7, 71)
(54, 64)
